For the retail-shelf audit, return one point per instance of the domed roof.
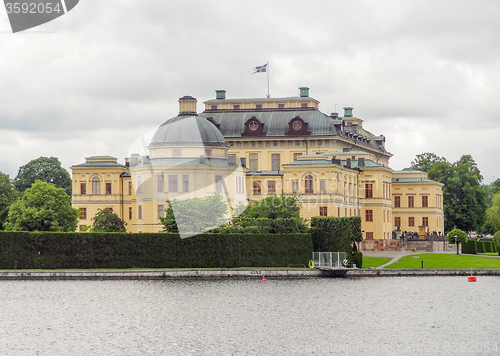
(185, 130)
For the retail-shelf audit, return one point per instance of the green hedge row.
(479, 246)
(44, 250)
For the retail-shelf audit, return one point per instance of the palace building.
(247, 149)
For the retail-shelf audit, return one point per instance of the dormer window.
(213, 107)
(258, 106)
(281, 106)
(236, 106)
(303, 105)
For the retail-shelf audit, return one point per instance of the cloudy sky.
(423, 73)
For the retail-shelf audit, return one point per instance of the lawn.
(441, 260)
(374, 261)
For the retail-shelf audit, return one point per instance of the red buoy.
(264, 280)
(472, 278)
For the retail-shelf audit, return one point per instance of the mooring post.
(422, 262)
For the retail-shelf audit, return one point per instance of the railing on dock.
(328, 259)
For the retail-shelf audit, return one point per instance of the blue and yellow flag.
(260, 69)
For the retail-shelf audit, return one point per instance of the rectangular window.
(276, 161)
(236, 106)
(258, 106)
(172, 183)
(213, 107)
(425, 201)
(96, 186)
(369, 235)
(139, 184)
(369, 215)
(130, 188)
(83, 188)
(271, 187)
(161, 185)
(295, 155)
(368, 190)
(303, 105)
(256, 187)
(295, 187)
(218, 184)
(139, 212)
(397, 201)
(425, 221)
(130, 213)
(323, 211)
(185, 183)
(253, 159)
(411, 221)
(108, 188)
(161, 211)
(411, 201)
(83, 212)
(322, 186)
(281, 106)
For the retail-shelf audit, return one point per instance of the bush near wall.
(45, 250)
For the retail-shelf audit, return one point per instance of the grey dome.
(188, 131)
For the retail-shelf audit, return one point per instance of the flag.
(260, 69)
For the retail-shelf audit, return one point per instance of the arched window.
(96, 185)
(309, 184)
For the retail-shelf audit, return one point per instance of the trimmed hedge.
(45, 250)
(479, 246)
(469, 247)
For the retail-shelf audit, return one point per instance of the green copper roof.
(408, 171)
(265, 173)
(413, 180)
(99, 165)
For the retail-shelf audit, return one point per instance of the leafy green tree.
(107, 221)
(8, 194)
(490, 190)
(461, 237)
(496, 240)
(43, 207)
(424, 161)
(493, 212)
(44, 169)
(463, 196)
(195, 215)
(274, 207)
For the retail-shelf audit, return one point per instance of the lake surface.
(363, 316)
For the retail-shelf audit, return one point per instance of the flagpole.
(268, 93)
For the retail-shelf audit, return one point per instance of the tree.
(195, 215)
(43, 207)
(493, 212)
(8, 194)
(107, 221)
(490, 190)
(44, 169)
(461, 237)
(463, 196)
(496, 240)
(424, 161)
(274, 207)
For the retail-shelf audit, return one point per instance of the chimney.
(231, 160)
(243, 162)
(348, 162)
(361, 162)
(220, 94)
(202, 159)
(348, 111)
(187, 105)
(334, 115)
(346, 149)
(304, 92)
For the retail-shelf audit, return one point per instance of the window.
(161, 211)
(256, 187)
(303, 105)
(271, 187)
(213, 107)
(185, 183)
(108, 188)
(109, 209)
(425, 201)
(276, 161)
(425, 221)
(130, 213)
(369, 235)
(83, 188)
(397, 201)
(130, 188)
(172, 183)
(139, 184)
(309, 184)
(96, 186)
(236, 106)
(161, 185)
(139, 212)
(254, 161)
(368, 190)
(369, 215)
(281, 106)
(322, 186)
(295, 187)
(258, 106)
(83, 212)
(411, 221)
(295, 155)
(218, 183)
(411, 201)
(323, 211)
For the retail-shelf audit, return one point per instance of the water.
(368, 316)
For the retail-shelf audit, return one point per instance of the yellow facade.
(281, 145)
